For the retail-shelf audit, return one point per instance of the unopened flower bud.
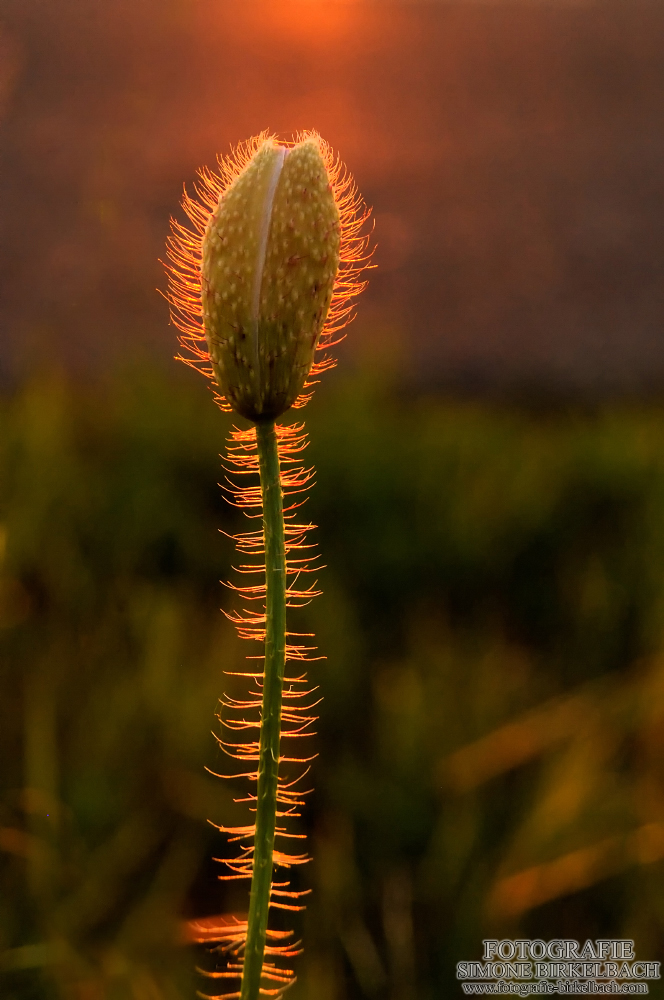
(274, 260)
(270, 259)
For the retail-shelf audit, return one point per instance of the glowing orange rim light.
(184, 250)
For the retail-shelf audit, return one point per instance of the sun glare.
(311, 20)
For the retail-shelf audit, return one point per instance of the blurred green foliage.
(491, 735)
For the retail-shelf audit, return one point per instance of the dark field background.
(490, 491)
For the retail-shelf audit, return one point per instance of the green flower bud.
(270, 269)
(270, 259)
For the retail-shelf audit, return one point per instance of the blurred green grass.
(490, 739)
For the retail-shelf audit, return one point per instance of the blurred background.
(490, 490)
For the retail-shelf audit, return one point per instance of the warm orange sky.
(512, 152)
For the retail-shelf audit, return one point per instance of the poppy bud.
(266, 277)
(270, 259)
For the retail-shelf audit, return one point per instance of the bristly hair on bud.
(264, 282)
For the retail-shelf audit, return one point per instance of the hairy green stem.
(275, 657)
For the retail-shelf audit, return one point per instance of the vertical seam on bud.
(261, 253)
